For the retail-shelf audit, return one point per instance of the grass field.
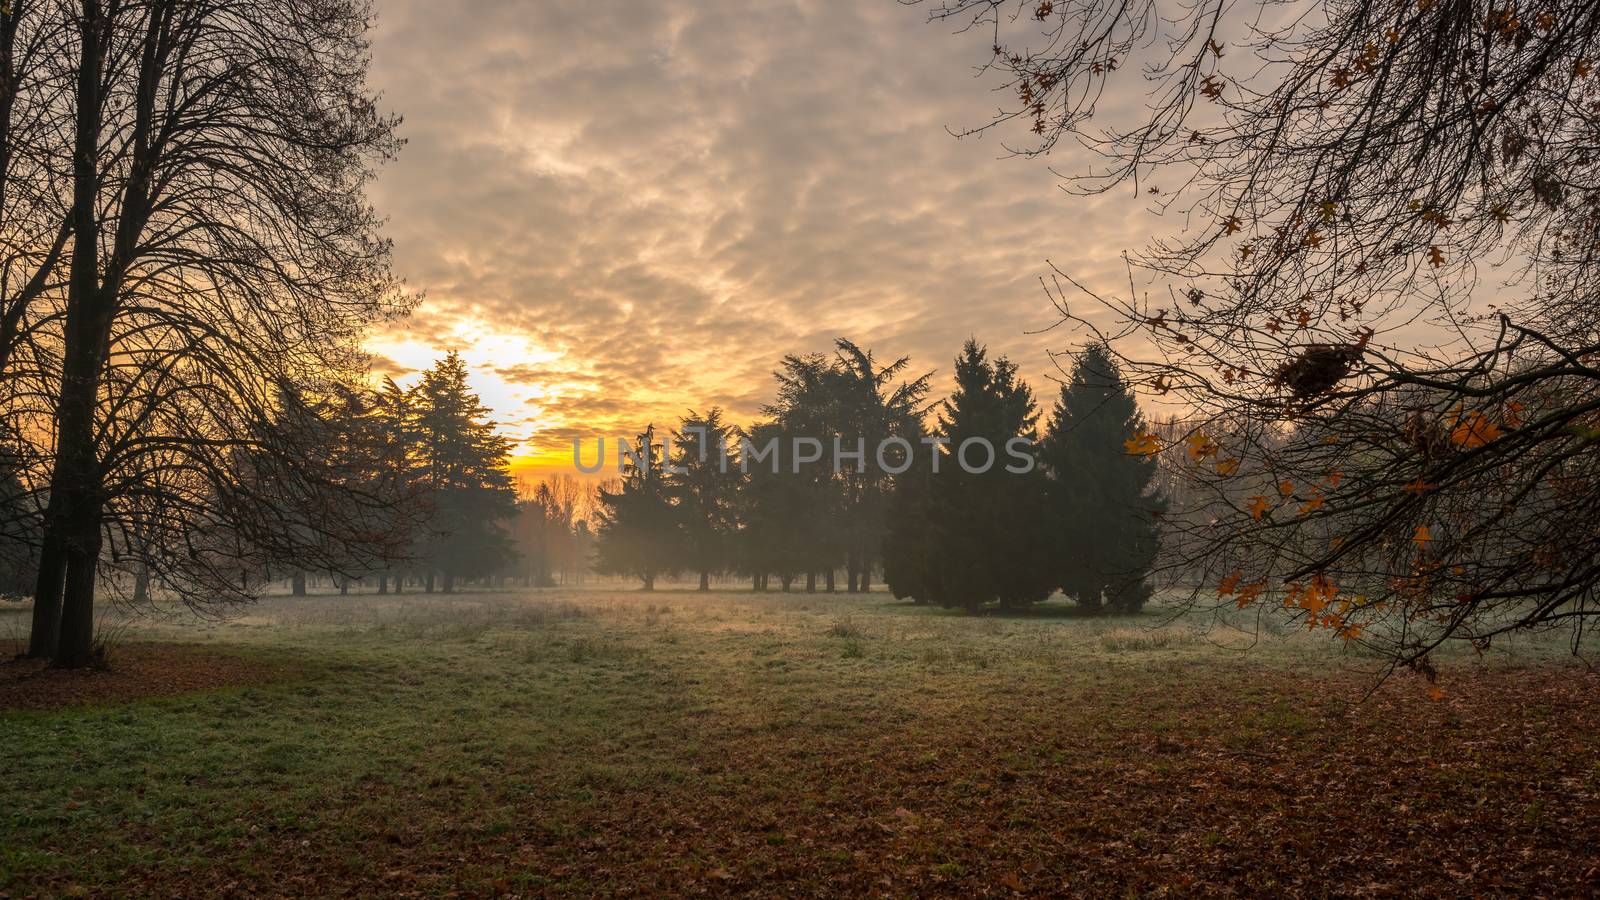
(624, 743)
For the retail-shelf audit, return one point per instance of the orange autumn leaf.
(1435, 692)
(1335, 477)
(1258, 507)
(1233, 225)
(1227, 466)
(1312, 505)
(1474, 429)
(1142, 444)
(1286, 488)
(1230, 583)
(1313, 597)
(1435, 257)
(1201, 446)
(1422, 536)
(1418, 487)
(1249, 593)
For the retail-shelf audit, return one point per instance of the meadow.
(612, 741)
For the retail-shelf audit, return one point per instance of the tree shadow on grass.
(1048, 610)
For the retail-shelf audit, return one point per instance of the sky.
(621, 211)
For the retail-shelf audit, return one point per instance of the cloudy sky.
(619, 210)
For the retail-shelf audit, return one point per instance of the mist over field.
(813, 448)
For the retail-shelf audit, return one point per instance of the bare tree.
(1379, 317)
(221, 255)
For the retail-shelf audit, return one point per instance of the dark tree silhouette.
(640, 531)
(220, 250)
(849, 405)
(872, 409)
(815, 534)
(909, 542)
(703, 482)
(461, 467)
(1102, 506)
(18, 535)
(785, 513)
(985, 537)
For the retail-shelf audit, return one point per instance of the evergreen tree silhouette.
(1101, 497)
(640, 530)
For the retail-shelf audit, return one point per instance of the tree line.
(1079, 515)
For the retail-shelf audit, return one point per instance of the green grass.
(614, 741)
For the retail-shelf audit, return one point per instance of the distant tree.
(849, 404)
(543, 529)
(810, 409)
(908, 543)
(583, 548)
(704, 483)
(19, 530)
(785, 513)
(394, 443)
(985, 541)
(317, 493)
(871, 409)
(1102, 505)
(640, 531)
(461, 463)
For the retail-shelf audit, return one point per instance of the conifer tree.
(461, 464)
(871, 409)
(1101, 497)
(908, 543)
(640, 531)
(19, 531)
(704, 483)
(394, 439)
(982, 542)
(786, 514)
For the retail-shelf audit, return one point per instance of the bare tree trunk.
(831, 586)
(447, 584)
(650, 581)
(383, 583)
(141, 584)
(46, 627)
(297, 584)
(705, 581)
(75, 647)
(811, 582)
(71, 525)
(427, 584)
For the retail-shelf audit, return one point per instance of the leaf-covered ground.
(141, 670)
(617, 743)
